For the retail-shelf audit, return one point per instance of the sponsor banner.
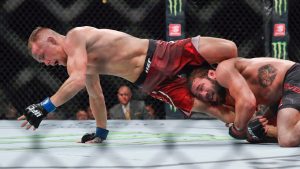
(279, 29)
(279, 50)
(280, 7)
(175, 30)
(280, 35)
(175, 20)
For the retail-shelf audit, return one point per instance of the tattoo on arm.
(266, 75)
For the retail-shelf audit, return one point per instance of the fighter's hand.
(98, 137)
(236, 133)
(25, 122)
(257, 130)
(33, 115)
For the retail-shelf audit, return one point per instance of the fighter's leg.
(288, 123)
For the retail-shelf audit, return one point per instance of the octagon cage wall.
(24, 81)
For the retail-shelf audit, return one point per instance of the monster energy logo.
(280, 6)
(279, 50)
(175, 6)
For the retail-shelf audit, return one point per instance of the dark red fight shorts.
(163, 64)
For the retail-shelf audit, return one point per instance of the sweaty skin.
(253, 82)
(88, 52)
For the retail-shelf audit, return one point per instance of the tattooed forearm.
(266, 75)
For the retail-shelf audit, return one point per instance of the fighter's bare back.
(264, 75)
(114, 53)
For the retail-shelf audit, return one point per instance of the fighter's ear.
(52, 40)
(211, 74)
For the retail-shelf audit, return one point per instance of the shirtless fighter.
(252, 82)
(152, 65)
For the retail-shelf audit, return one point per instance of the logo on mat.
(279, 29)
(174, 29)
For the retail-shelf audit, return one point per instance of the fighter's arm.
(76, 65)
(222, 113)
(97, 104)
(96, 99)
(271, 126)
(245, 102)
(262, 128)
(215, 50)
(75, 47)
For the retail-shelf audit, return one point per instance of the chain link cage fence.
(294, 24)
(24, 81)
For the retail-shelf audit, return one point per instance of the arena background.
(23, 81)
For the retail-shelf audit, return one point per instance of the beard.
(220, 92)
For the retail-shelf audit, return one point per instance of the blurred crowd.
(126, 108)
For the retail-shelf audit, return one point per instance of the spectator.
(52, 116)
(126, 108)
(11, 112)
(81, 115)
(155, 109)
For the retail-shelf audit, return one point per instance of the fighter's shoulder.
(79, 31)
(227, 64)
(226, 69)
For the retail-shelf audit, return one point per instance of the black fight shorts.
(291, 89)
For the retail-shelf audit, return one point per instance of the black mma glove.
(87, 137)
(98, 137)
(255, 131)
(236, 133)
(35, 113)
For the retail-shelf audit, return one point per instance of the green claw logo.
(175, 6)
(279, 50)
(280, 6)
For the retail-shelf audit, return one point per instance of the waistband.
(291, 69)
(149, 56)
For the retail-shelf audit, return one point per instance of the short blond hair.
(34, 36)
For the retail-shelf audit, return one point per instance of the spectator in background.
(81, 115)
(155, 109)
(151, 113)
(10, 112)
(127, 108)
(52, 116)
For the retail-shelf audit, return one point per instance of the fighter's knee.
(286, 142)
(233, 48)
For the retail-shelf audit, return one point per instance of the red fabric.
(169, 59)
(175, 93)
